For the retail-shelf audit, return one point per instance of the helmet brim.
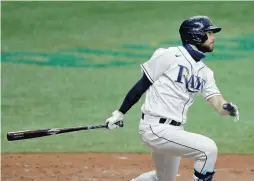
(214, 29)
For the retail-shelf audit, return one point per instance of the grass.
(45, 96)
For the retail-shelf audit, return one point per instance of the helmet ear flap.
(197, 37)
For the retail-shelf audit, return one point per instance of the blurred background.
(71, 63)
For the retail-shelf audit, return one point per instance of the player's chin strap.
(204, 176)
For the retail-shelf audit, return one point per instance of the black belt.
(163, 120)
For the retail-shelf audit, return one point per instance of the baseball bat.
(29, 134)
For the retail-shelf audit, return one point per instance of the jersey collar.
(194, 52)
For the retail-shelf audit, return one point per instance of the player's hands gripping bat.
(232, 109)
(116, 120)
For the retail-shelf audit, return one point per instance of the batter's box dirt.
(110, 167)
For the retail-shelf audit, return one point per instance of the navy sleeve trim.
(135, 93)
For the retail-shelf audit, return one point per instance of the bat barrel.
(21, 135)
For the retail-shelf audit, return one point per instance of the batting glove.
(232, 109)
(116, 120)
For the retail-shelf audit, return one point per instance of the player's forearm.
(217, 103)
(135, 94)
(130, 99)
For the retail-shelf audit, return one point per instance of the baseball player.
(172, 78)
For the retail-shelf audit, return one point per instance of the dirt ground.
(110, 167)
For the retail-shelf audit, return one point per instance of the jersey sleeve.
(210, 87)
(158, 64)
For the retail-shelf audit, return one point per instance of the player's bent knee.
(204, 176)
(210, 148)
(208, 151)
(213, 147)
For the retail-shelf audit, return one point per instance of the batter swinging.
(172, 78)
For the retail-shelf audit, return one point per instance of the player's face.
(209, 43)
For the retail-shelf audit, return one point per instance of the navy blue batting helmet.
(193, 30)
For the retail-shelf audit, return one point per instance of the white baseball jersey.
(177, 79)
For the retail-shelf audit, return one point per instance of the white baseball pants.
(168, 144)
